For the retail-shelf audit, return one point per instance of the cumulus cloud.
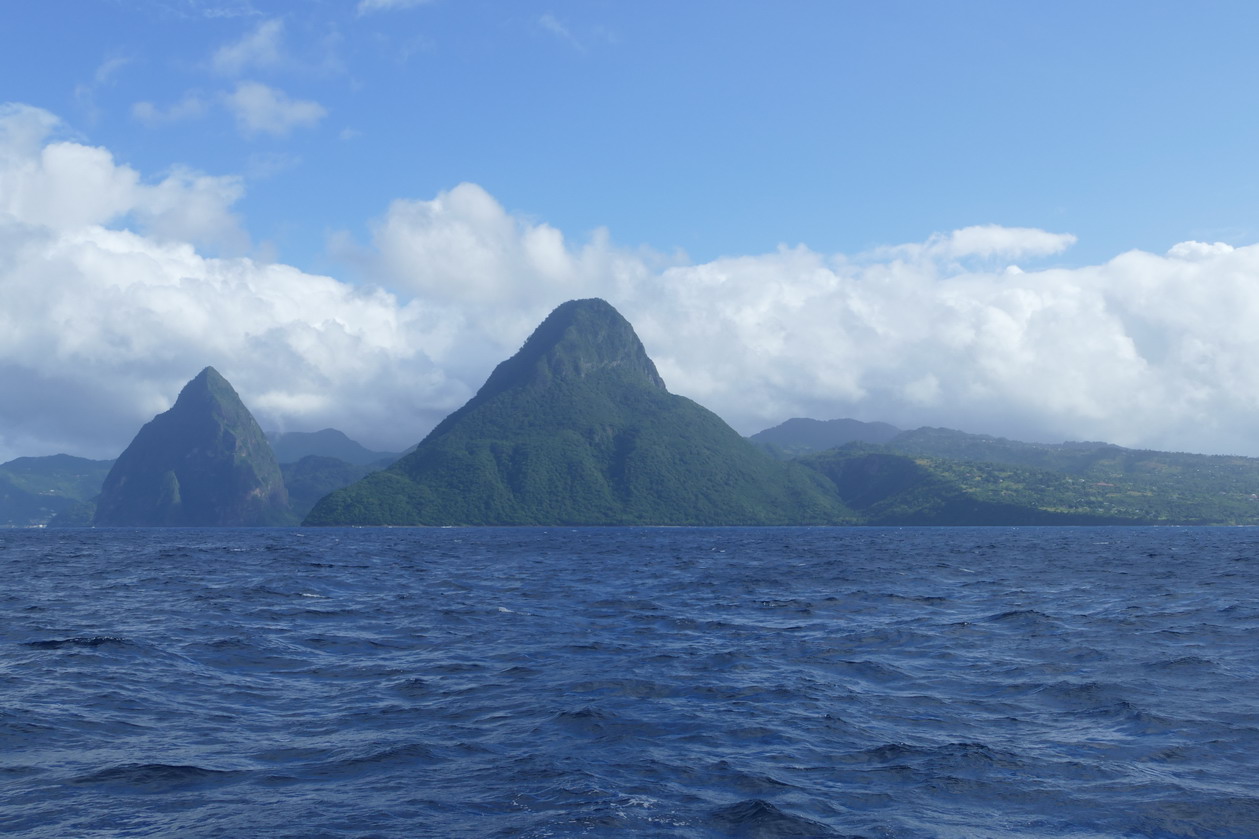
(63, 185)
(1144, 350)
(103, 327)
(464, 246)
(110, 308)
(260, 109)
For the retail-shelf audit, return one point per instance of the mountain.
(578, 428)
(800, 436)
(292, 446)
(943, 476)
(33, 490)
(888, 489)
(203, 463)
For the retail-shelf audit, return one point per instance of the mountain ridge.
(578, 427)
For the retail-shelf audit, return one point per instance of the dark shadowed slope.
(801, 436)
(292, 446)
(205, 462)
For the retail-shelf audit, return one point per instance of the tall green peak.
(203, 463)
(580, 338)
(578, 428)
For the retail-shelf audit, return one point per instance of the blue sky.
(1031, 219)
(719, 128)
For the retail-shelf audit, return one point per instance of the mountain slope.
(292, 446)
(801, 436)
(578, 428)
(35, 489)
(887, 488)
(205, 462)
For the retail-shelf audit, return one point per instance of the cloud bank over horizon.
(112, 303)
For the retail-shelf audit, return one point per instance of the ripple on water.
(692, 683)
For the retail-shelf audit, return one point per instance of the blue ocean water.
(525, 682)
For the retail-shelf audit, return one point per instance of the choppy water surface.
(640, 682)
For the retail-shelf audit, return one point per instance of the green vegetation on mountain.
(205, 462)
(940, 476)
(895, 489)
(34, 490)
(801, 436)
(578, 428)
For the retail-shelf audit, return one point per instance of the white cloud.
(260, 109)
(368, 6)
(103, 327)
(262, 48)
(991, 240)
(1199, 250)
(64, 185)
(1143, 350)
(463, 246)
(102, 324)
(982, 242)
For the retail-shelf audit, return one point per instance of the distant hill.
(313, 477)
(802, 436)
(578, 428)
(205, 462)
(292, 446)
(942, 476)
(33, 490)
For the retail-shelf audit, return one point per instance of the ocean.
(653, 682)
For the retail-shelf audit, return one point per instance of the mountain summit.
(578, 428)
(580, 339)
(203, 463)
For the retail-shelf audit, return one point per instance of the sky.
(1036, 220)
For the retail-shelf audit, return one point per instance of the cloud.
(103, 324)
(64, 185)
(260, 109)
(463, 246)
(191, 106)
(262, 48)
(993, 240)
(552, 24)
(369, 6)
(110, 307)
(983, 242)
(85, 93)
(1144, 350)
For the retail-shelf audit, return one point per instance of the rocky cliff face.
(578, 428)
(203, 463)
